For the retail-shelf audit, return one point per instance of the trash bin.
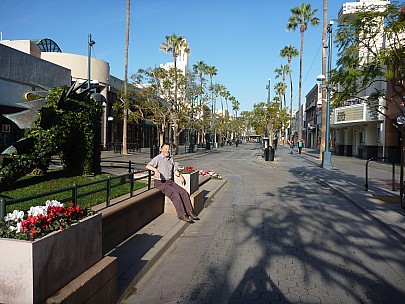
(154, 150)
(266, 154)
(271, 153)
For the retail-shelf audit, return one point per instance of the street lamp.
(268, 87)
(90, 44)
(327, 155)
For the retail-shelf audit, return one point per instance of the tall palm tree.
(125, 101)
(175, 45)
(323, 119)
(280, 89)
(289, 51)
(200, 68)
(300, 17)
(212, 71)
(281, 72)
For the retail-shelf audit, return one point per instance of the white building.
(358, 129)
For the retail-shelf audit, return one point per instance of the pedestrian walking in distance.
(291, 145)
(164, 168)
(300, 145)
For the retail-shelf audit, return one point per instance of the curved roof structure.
(47, 45)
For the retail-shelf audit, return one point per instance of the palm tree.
(323, 119)
(281, 72)
(200, 69)
(175, 44)
(300, 17)
(280, 89)
(289, 51)
(125, 100)
(212, 71)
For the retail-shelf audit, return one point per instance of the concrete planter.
(191, 187)
(191, 184)
(30, 272)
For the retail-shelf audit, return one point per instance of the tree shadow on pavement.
(320, 249)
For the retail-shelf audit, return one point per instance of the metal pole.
(90, 44)
(268, 87)
(3, 204)
(326, 156)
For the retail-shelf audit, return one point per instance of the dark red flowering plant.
(187, 170)
(41, 220)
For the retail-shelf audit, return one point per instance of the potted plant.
(190, 175)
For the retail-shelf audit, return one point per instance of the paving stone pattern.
(295, 242)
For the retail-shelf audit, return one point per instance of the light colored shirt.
(165, 165)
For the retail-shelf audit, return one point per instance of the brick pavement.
(288, 233)
(299, 244)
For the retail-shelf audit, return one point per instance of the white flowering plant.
(210, 173)
(41, 220)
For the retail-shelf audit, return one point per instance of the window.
(5, 128)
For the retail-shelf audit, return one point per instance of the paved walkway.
(316, 258)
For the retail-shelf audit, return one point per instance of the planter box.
(30, 272)
(191, 187)
(191, 184)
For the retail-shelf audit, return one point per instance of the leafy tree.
(149, 104)
(300, 17)
(69, 125)
(267, 116)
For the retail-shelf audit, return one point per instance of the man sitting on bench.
(164, 167)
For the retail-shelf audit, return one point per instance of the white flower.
(53, 203)
(15, 216)
(37, 210)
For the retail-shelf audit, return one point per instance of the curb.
(153, 255)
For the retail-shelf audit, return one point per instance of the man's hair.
(164, 144)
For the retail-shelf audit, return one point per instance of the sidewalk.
(347, 178)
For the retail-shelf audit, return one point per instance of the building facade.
(39, 65)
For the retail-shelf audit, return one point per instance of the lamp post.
(327, 155)
(90, 44)
(268, 87)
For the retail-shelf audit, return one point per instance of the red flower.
(33, 233)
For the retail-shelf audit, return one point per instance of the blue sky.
(242, 39)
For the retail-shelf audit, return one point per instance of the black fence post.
(131, 191)
(149, 179)
(3, 204)
(108, 191)
(129, 166)
(74, 194)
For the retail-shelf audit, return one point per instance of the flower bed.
(46, 256)
(210, 173)
(191, 169)
(41, 220)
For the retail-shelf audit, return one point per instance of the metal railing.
(74, 196)
(393, 171)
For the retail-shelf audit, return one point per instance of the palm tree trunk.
(291, 99)
(125, 120)
(300, 88)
